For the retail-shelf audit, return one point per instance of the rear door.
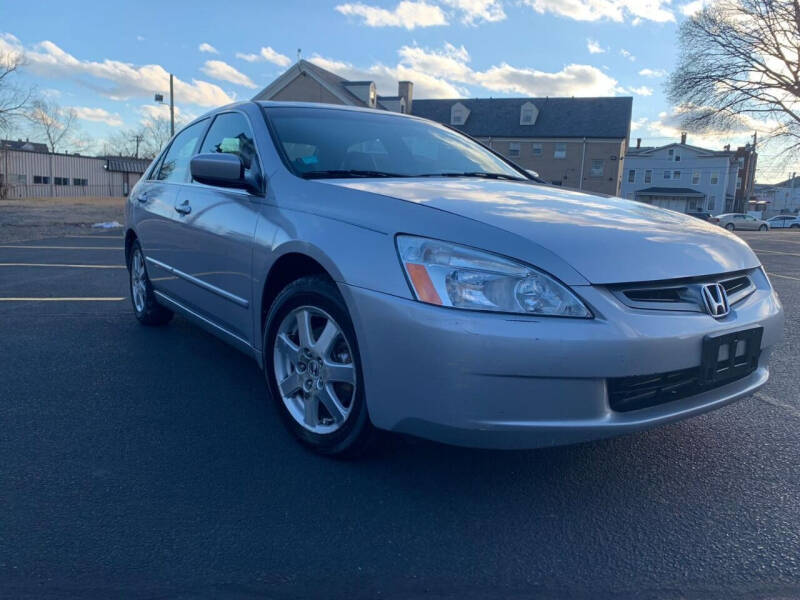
(214, 236)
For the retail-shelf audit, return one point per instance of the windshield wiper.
(346, 173)
(484, 174)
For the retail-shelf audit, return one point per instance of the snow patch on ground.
(108, 225)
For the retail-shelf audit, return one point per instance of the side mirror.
(221, 169)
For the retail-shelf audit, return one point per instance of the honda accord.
(390, 273)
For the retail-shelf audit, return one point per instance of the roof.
(668, 191)
(336, 85)
(125, 164)
(24, 145)
(558, 117)
(650, 149)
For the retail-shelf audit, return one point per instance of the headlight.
(452, 275)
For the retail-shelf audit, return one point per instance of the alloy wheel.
(314, 369)
(138, 281)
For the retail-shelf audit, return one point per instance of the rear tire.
(763, 228)
(145, 306)
(730, 226)
(795, 226)
(321, 392)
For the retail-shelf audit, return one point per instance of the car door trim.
(200, 283)
(240, 341)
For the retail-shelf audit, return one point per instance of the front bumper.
(512, 381)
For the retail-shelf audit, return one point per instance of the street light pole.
(171, 108)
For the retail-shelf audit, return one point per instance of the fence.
(51, 190)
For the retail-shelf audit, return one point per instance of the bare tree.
(14, 100)
(739, 63)
(57, 125)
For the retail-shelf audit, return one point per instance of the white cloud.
(637, 124)
(266, 54)
(642, 91)
(98, 115)
(150, 112)
(206, 47)
(409, 14)
(594, 46)
(477, 11)
(111, 78)
(140, 38)
(452, 72)
(627, 54)
(221, 70)
(692, 8)
(612, 10)
(654, 73)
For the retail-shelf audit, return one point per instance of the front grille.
(682, 294)
(633, 393)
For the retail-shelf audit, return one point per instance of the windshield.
(342, 143)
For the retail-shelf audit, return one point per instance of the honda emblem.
(715, 299)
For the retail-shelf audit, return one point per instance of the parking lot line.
(776, 252)
(66, 247)
(101, 237)
(60, 265)
(61, 299)
(783, 276)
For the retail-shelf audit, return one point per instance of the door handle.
(183, 207)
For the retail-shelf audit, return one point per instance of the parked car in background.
(733, 221)
(387, 272)
(784, 222)
(705, 216)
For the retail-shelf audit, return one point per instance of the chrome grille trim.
(682, 294)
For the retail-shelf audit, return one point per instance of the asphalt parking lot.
(147, 462)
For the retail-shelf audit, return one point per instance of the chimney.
(683, 137)
(405, 89)
(727, 147)
(638, 142)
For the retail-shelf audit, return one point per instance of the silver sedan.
(389, 273)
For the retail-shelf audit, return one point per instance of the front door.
(214, 234)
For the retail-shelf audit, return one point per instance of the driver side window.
(230, 133)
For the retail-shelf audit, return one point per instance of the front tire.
(313, 368)
(795, 226)
(763, 228)
(730, 226)
(145, 306)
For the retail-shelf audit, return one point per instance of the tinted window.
(176, 162)
(230, 133)
(319, 141)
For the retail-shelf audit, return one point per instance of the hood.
(606, 239)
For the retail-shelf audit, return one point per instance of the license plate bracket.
(730, 356)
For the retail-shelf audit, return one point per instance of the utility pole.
(171, 108)
(137, 139)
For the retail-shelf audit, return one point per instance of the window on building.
(80, 182)
(41, 179)
(597, 167)
(671, 153)
(513, 148)
(712, 203)
(741, 162)
(677, 157)
(536, 149)
(738, 183)
(561, 150)
(61, 180)
(175, 166)
(18, 179)
(667, 174)
(695, 177)
(526, 116)
(714, 178)
(648, 176)
(632, 176)
(230, 133)
(676, 174)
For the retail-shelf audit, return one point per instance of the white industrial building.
(27, 170)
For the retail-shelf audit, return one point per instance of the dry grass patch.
(37, 218)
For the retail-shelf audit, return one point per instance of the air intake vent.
(656, 294)
(732, 286)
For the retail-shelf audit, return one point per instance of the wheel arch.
(130, 237)
(293, 262)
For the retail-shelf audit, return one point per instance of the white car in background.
(784, 222)
(733, 221)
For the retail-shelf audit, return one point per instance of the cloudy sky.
(107, 59)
